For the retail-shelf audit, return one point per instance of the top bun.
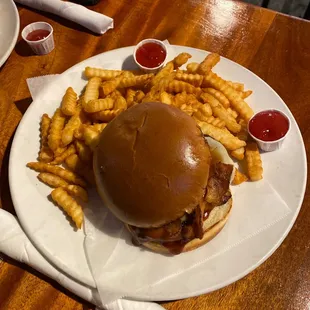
(152, 165)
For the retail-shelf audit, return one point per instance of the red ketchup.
(150, 55)
(269, 125)
(37, 35)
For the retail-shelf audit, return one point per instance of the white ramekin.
(40, 47)
(269, 146)
(146, 69)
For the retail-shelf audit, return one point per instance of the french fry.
(92, 90)
(131, 73)
(69, 102)
(192, 100)
(205, 109)
(139, 96)
(83, 151)
(101, 73)
(219, 96)
(239, 178)
(180, 99)
(60, 151)
(117, 92)
(193, 79)
(188, 109)
(246, 94)
(74, 163)
(163, 73)
(61, 172)
(254, 162)
(69, 205)
(45, 154)
(52, 180)
(215, 122)
(97, 105)
(105, 116)
(223, 136)
(168, 68)
(139, 80)
(180, 86)
(166, 98)
(188, 99)
(151, 96)
(238, 153)
(198, 116)
(61, 158)
(120, 103)
(107, 74)
(79, 133)
(233, 96)
(232, 112)
(90, 134)
(221, 112)
(235, 85)
(109, 86)
(73, 124)
(162, 84)
(130, 96)
(181, 59)
(209, 62)
(192, 67)
(55, 132)
(44, 128)
(243, 134)
(97, 127)
(76, 191)
(91, 137)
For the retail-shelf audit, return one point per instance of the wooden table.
(274, 46)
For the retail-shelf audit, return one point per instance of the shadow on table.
(24, 267)
(23, 104)
(5, 194)
(23, 49)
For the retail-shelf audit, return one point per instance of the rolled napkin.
(91, 20)
(15, 244)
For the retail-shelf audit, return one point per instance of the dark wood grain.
(276, 47)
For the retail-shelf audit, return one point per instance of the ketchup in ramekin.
(37, 35)
(150, 55)
(269, 128)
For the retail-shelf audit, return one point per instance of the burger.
(163, 179)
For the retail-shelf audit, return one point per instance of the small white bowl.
(40, 47)
(146, 69)
(269, 146)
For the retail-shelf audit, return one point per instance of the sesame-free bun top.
(151, 165)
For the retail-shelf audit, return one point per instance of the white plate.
(9, 28)
(63, 246)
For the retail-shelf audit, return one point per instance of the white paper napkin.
(15, 244)
(94, 21)
(123, 270)
(126, 270)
